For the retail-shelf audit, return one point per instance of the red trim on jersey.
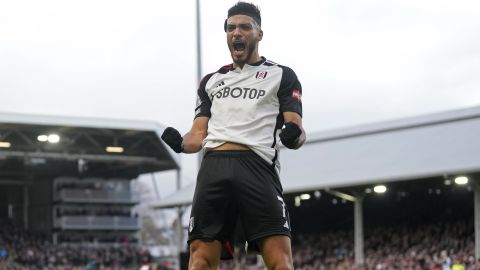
(228, 67)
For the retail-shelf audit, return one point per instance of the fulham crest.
(261, 75)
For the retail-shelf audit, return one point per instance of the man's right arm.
(190, 142)
(193, 140)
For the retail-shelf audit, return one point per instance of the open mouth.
(238, 47)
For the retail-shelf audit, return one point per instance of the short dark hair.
(244, 8)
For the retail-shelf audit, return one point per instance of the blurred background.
(390, 99)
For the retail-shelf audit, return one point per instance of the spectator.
(420, 246)
(20, 250)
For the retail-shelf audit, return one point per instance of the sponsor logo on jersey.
(296, 94)
(238, 92)
(261, 75)
(220, 84)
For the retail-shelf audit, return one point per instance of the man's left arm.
(290, 98)
(292, 135)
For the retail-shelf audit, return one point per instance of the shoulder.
(287, 71)
(225, 69)
(222, 70)
(205, 79)
(288, 75)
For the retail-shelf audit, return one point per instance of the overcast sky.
(358, 61)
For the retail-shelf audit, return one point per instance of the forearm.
(192, 142)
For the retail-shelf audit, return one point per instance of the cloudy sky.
(358, 61)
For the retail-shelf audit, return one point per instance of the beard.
(244, 58)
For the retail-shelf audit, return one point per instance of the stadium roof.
(424, 146)
(82, 147)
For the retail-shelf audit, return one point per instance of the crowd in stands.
(104, 238)
(20, 250)
(442, 246)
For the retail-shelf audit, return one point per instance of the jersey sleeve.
(290, 92)
(204, 103)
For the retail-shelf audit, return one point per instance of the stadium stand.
(401, 247)
(65, 197)
(83, 205)
(24, 250)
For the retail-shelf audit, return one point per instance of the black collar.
(261, 61)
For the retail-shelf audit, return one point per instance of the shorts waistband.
(230, 153)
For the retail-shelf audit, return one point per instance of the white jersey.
(245, 106)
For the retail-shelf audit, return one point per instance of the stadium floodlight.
(298, 201)
(380, 189)
(461, 180)
(53, 138)
(305, 196)
(5, 144)
(42, 138)
(114, 149)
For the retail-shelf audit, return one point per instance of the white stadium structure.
(348, 163)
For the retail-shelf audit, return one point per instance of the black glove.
(290, 135)
(173, 138)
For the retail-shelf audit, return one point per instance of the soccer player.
(243, 109)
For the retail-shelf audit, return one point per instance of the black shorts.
(237, 195)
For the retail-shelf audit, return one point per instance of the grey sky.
(358, 61)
